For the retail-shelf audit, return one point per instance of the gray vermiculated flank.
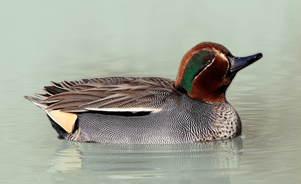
(186, 121)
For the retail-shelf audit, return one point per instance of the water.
(70, 40)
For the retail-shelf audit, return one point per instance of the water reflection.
(174, 161)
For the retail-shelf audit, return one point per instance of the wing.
(107, 94)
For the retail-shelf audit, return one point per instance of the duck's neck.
(206, 95)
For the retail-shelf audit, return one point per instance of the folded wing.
(106, 94)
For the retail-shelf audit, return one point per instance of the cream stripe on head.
(221, 54)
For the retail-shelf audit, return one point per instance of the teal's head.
(207, 70)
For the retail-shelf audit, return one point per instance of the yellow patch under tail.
(64, 119)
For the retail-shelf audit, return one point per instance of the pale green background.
(60, 40)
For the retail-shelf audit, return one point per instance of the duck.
(150, 110)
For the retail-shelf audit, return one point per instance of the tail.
(62, 122)
(40, 103)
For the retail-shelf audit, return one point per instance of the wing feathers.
(106, 93)
(65, 104)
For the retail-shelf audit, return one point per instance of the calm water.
(70, 40)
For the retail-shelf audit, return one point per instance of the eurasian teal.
(150, 110)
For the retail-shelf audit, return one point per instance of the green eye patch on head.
(197, 64)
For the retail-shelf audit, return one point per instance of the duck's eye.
(208, 62)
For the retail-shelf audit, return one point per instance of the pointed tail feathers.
(36, 101)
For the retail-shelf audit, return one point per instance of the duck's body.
(128, 110)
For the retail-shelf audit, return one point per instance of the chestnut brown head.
(207, 70)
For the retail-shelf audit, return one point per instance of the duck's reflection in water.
(173, 161)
